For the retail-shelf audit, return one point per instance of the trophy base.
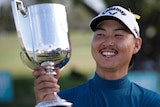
(60, 103)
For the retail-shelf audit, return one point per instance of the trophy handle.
(21, 7)
(20, 15)
(22, 23)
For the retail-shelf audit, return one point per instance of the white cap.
(117, 13)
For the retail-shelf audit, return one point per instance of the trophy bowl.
(44, 39)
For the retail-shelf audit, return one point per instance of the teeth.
(108, 53)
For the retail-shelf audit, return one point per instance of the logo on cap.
(112, 13)
(135, 30)
(114, 8)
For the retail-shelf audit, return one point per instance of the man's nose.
(109, 41)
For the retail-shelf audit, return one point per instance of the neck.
(111, 74)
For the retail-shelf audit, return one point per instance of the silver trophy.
(43, 35)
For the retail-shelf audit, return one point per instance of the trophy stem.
(50, 70)
(54, 103)
(49, 67)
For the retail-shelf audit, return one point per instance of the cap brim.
(95, 22)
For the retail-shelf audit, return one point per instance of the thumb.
(57, 76)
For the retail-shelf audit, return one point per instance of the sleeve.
(155, 101)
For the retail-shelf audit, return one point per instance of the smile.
(108, 54)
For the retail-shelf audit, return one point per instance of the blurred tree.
(6, 21)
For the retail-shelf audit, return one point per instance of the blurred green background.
(77, 70)
(81, 65)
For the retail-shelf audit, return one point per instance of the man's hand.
(45, 85)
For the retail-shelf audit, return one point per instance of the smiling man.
(115, 42)
(112, 48)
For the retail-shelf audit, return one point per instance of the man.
(116, 40)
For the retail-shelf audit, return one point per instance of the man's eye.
(99, 34)
(118, 35)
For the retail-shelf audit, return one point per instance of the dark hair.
(132, 61)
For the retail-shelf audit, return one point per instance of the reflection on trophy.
(43, 35)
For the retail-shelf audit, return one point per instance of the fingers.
(45, 81)
(45, 86)
(38, 72)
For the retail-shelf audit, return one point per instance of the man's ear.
(138, 44)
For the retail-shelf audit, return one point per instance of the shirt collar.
(101, 83)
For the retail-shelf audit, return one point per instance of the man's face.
(113, 46)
